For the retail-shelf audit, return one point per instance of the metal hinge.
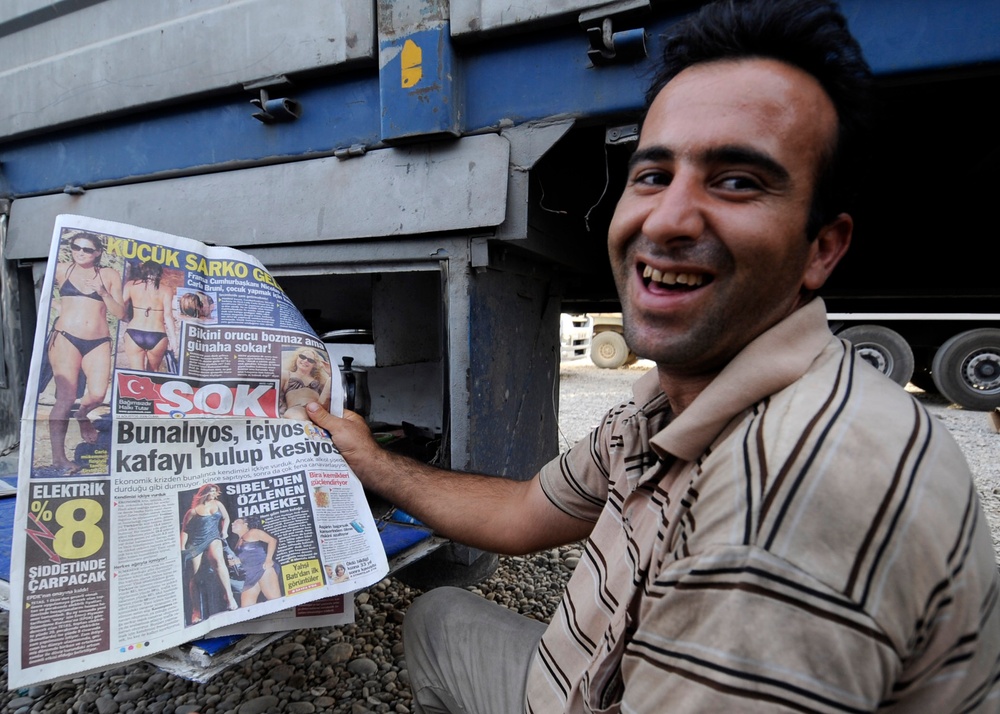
(273, 109)
(608, 46)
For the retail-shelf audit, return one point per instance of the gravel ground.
(361, 668)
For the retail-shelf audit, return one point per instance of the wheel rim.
(882, 361)
(981, 370)
(606, 350)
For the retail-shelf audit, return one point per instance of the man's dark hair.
(809, 34)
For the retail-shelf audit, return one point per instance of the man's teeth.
(668, 278)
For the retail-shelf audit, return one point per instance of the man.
(772, 525)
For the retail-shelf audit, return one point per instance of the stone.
(300, 708)
(340, 652)
(362, 666)
(259, 705)
(129, 695)
(282, 672)
(287, 649)
(106, 705)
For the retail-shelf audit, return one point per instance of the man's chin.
(678, 350)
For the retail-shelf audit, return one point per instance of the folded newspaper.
(170, 483)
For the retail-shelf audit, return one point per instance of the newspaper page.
(170, 483)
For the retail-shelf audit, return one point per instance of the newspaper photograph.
(172, 483)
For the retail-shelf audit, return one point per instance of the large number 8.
(93, 537)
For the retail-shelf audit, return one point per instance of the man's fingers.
(327, 420)
(320, 415)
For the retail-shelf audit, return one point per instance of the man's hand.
(353, 440)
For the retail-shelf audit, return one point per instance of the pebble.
(361, 668)
(259, 705)
(282, 673)
(106, 705)
(340, 652)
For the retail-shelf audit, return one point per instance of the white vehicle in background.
(575, 333)
(608, 348)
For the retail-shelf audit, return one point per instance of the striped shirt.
(803, 538)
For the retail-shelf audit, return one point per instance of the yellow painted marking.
(411, 59)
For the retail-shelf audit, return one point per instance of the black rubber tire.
(884, 349)
(608, 350)
(966, 369)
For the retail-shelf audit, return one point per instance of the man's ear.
(826, 251)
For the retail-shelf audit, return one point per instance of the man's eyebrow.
(728, 154)
(652, 154)
(746, 156)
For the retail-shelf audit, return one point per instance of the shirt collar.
(771, 362)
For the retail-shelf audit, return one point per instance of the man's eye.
(739, 183)
(653, 178)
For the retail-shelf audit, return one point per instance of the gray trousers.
(467, 655)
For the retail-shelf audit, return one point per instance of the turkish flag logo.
(136, 387)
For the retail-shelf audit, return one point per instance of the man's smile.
(671, 279)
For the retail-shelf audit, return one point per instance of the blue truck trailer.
(440, 174)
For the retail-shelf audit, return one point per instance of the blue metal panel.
(920, 35)
(417, 84)
(217, 133)
(516, 79)
(524, 79)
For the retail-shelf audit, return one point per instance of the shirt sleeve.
(577, 481)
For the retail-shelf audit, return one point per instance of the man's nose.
(678, 212)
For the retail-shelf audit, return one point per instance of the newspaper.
(170, 483)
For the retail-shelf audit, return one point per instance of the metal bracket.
(277, 109)
(626, 134)
(349, 152)
(608, 46)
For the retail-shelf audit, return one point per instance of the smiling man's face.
(708, 243)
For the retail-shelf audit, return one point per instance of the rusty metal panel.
(417, 70)
(68, 61)
(513, 331)
(460, 185)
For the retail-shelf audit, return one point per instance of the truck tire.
(882, 348)
(966, 369)
(608, 350)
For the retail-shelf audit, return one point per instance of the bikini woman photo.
(79, 343)
(305, 377)
(151, 328)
